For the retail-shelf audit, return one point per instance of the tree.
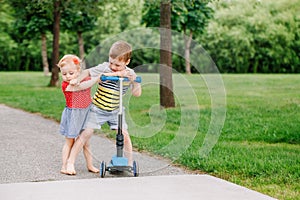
(21, 49)
(55, 46)
(78, 17)
(40, 23)
(166, 82)
(188, 16)
(255, 36)
(34, 19)
(8, 46)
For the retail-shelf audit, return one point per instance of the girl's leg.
(77, 147)
(127, 147)
(88, 157)
(65, 154)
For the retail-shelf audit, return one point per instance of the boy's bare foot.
(70, 169)
(93, 169)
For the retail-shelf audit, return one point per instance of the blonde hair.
(69, 59)
(120, 50)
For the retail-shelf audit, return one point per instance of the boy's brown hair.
(120, 50)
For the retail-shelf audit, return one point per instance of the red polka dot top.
(77, 99)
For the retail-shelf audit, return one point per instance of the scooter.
(119, 163)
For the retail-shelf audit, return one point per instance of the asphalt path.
(30, 163)
(31, 151)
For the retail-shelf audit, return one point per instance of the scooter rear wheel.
(135, 169)
(102, 169)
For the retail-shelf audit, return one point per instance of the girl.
(78, 100)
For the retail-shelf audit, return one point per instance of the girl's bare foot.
(93, 169)
(70, 169)
(63, 170)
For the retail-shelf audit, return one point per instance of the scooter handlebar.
(116, 78)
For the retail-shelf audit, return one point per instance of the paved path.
(30, 161)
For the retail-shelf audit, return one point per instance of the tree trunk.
(187, 44)
(165, 70)
(44, 55)
(81, 45)
(55, 51)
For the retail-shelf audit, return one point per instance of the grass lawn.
(258, 147)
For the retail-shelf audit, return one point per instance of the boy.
(106, 99)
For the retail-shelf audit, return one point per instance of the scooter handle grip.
(116, 78)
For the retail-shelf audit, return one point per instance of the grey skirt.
(72, 121)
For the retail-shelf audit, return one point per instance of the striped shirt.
(107, 96)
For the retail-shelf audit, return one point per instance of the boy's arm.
(83, 85)
(123, 73)
(136, 89)
(85, 73)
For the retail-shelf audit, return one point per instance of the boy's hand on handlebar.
(132, 77)
(123, 73)
(74, 82)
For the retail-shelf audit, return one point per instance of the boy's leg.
(88, 157)
(114, 123)
(127, 147)
(77, 147)
(65, 154)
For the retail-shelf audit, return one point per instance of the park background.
(254, 44)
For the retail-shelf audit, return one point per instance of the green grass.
(259, 143)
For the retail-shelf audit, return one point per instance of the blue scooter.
(119, 163)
